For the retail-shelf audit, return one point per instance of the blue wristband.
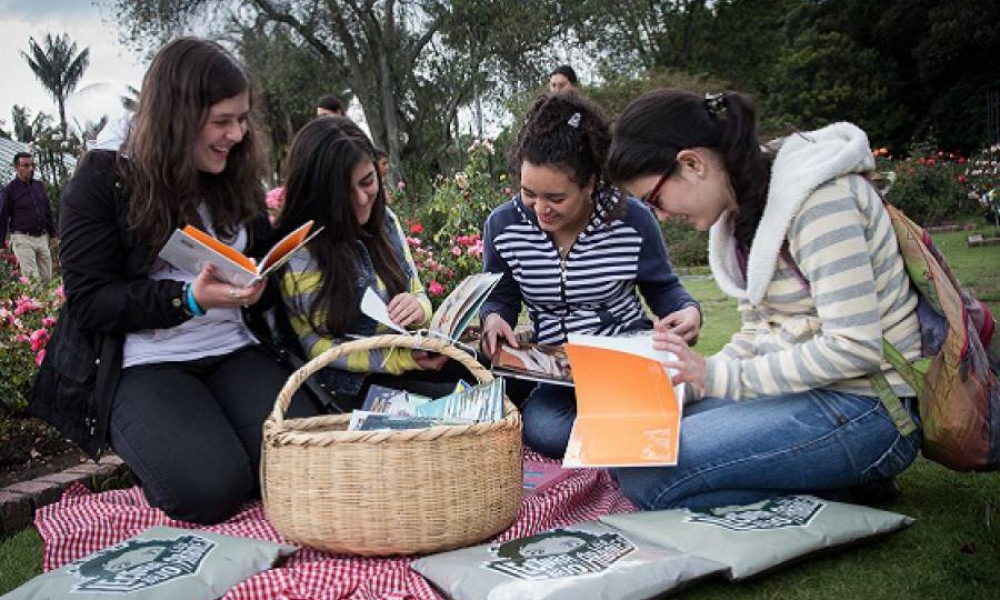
(196, 310)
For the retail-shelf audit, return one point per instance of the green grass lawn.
(953, 550)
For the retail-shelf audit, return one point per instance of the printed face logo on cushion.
(140, 564)
(558, 553)
(779, 513)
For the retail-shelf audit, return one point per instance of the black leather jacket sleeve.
(104, 272)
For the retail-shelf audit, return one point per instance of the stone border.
(19, 501)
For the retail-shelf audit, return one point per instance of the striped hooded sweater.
(828, 335)
(595, 288)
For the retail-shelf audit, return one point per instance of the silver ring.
(232, 292)
(245, 304)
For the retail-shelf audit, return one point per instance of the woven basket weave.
(379, 493)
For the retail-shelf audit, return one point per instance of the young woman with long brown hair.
(159, 363)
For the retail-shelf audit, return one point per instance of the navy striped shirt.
(595, 288)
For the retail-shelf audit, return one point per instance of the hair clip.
(574, 120)
(716, 103)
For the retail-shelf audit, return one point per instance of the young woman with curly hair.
(575, 251)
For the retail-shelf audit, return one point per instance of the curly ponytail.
(570, 132)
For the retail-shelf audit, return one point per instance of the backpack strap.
(912, 373)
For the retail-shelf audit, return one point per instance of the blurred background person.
(26, 213)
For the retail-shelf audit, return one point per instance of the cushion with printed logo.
(757, 537)
(161, 563)
(588, 560)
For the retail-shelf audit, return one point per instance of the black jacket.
(108, 294)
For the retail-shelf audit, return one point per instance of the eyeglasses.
(25, 165)
(652, 197)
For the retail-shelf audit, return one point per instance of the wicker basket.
(378, 493)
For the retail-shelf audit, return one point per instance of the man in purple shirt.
(25, 211)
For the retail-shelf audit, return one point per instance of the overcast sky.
(112, 65)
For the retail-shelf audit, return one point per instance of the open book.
(535, 362)
(452, 317)
(628, 411)
(190, 248)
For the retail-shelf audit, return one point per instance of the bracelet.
(196, 310)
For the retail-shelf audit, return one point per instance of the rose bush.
(982, 180)
(27, 315)
(928, 187)
(444, 231)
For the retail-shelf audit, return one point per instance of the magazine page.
(540, 476)
(462, 304)
(631, 419)
(534, 362)
(480, 403)
(391, 401)
(372, 421)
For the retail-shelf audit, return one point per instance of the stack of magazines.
(387, 408)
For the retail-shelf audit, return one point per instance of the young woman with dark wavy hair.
(331, 179)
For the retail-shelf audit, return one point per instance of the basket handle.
(415, 342)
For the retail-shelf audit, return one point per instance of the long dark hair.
(318, 174)
(186, 78)
(659, 124)
(571, 133)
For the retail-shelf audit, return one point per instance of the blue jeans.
(547, 417)
(743, 452)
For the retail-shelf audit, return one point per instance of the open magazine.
(386, 408)
(452, 317)
(535, 362)
(628, 411)
(190, 248)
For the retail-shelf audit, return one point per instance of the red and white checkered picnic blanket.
(83, 522)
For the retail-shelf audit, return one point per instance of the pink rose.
(38, 339)
(276, 198)
(39, 357)
(476, 249)
(435, 288)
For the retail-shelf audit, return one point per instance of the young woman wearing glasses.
(802, 241)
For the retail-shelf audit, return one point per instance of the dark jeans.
(547, 418)
(191, 431)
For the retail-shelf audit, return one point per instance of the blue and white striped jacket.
(594, 289)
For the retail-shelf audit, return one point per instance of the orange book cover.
(190, 248)
(628, 411)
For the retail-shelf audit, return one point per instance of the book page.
(230, 253)
(373, 306)
(189, 251)
(628, 413)
(283, 250)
